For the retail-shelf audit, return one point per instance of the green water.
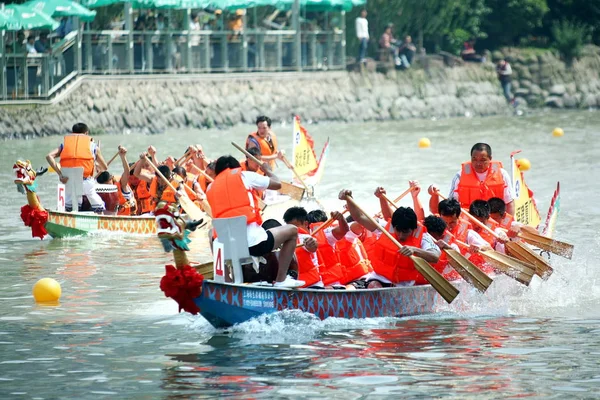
(115, 335)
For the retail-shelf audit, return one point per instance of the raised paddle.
(107, 164)
(290, 166)
(542, 269)
(185, 156)
(208, 178)
(191, 209)
(439, 283)
(505, 264)
(469, 271)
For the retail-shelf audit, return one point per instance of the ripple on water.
(370, 380)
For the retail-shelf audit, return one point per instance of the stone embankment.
(158, 104)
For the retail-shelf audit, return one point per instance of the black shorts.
(264, 247)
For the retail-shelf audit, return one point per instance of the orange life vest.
(309, 264)
(487, 236)
(228, 197)
(167, 195)
(388, 262)
(124, 204)
(443, 265)
(267, 148)
(506, 221)
(368, 239)
(353, 257)
(144, 197)
(332, 270)
(460, 231)
(470, 188)
(76, 152)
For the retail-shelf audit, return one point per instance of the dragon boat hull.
(224, 304)
(65, 224)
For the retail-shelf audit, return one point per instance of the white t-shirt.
(362, 28)
(252, 180)
(508, 192)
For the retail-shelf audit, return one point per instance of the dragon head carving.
(25, 175)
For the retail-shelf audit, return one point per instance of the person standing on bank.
(265, 140)
(230, 195)
(504, 72)
(478, 179)
(79, 150)
(362, 34)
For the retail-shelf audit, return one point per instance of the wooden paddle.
(524, 263)
(439, 283)
(204, 202)
(558, 247)
(461, 264)
(184, 157)
(191, 209)
(505, 264)
(208, 177)
(107, 164)
(292, 190)
(290, 166)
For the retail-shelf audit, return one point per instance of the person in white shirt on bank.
(362, 33)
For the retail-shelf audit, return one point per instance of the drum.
(110, 196)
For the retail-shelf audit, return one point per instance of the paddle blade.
(509, 266)
(293, 191)
(191, 209)
(468, 270)
(562, 249)
(439, 283)
(524, 253)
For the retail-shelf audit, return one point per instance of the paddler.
(251, 165)
(505, 220)
(334, 273)
(230, 196)
(79, 150)
(265, 140)
(310, 261)
(126, 198)
(393, 267)
(154, 190)
(479, 179)
(481, 211)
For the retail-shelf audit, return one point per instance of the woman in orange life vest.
(505, 220)
(390, 265)
(79, 150)
(230, 195)
(340, 245)
(480, 179)
(334, 272)
(126, 198)
(310, 261)
(265, 140)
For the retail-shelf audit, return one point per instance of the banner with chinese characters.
(526, 210)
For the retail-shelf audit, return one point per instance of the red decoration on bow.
(183, 286)
(36, 219)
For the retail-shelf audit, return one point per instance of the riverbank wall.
(154, 104)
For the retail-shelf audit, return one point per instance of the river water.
(114, 333)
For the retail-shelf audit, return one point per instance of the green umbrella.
(62, 8)
(137, 3)
(26, 18)
(7, 22)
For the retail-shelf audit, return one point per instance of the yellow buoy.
(523, 164)
(46, 290)
(558, 132)
(424, 143)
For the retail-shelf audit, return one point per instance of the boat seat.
(231, 232)
(74, 186)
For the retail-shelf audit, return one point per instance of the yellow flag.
(526, 210)
(304, 156)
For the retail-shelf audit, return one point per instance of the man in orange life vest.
(481, 210)
(126, 198)
(265, 140)
(505, 220)
(79, 150)
(480, 179)
(230, 195)
(390, 265)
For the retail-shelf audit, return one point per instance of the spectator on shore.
(42, 45)
(468, 52)
(388, 44)
(161, 24)
(237, 23)
(504, 72)
(362, 33)
(30, 45)
(407, 51)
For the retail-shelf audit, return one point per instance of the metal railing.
(40, 76)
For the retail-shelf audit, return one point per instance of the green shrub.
(569, 38)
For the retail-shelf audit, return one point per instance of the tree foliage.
(510, 20)
(569, 38)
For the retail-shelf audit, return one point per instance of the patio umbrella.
(62, 8)
(24, 17)
(7, 22)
